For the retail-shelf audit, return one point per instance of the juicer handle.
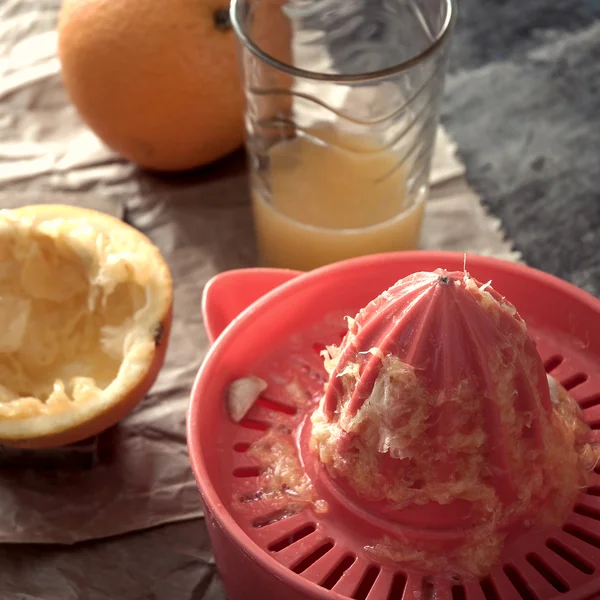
(227, 294)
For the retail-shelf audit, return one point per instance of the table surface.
(519, 94)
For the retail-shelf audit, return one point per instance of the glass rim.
(440, 39)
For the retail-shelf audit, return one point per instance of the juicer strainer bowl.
(262, 552)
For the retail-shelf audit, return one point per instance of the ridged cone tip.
(438, 414)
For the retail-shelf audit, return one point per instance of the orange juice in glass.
(340, 129)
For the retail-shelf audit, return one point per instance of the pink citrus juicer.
(328, 548)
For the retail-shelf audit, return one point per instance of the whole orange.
(156, 80)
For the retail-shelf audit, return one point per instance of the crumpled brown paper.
(168, 563)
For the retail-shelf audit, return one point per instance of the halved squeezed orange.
(85, 315)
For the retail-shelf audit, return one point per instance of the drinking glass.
(342, 108)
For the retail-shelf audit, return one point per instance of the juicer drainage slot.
(551, 363)
(256, 425)
(547, 573)
(338, 572)
(590, 402)
(367, 583)
(488, 589)
(575, 380)
(312, 558)
(270, 519)
(458, 592)
(519, 583)
(571, 557)
(292, 539)
(587, 511)
(246, 472)
(582, 534)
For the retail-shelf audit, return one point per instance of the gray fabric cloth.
(522, 104)
(497, 30)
